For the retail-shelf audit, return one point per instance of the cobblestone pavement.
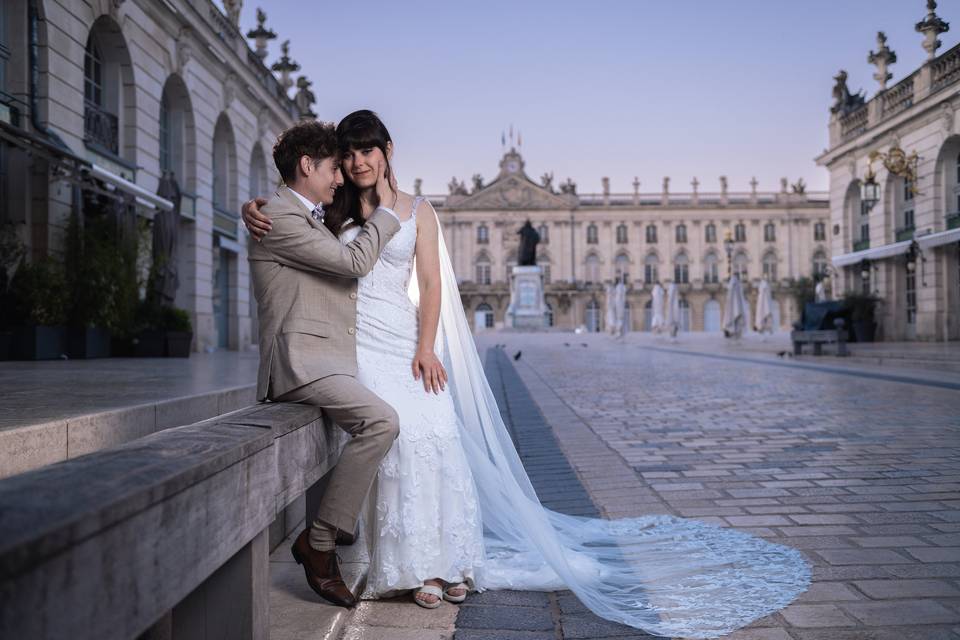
(861, 474)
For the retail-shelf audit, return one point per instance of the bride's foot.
(455, 593)
(428, 596)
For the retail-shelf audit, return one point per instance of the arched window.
(483, 317)
(544, 234)
(593, 316)
(258, 173)
(483, 269)
(109, 92)
(224, 167)
(621, 233)
(905, 208)
(740, 263)
(819, 263)
(681, 269)
(651, 234)
(769, 232)
(710, 233)
(592, 234)
(681, 233)
(740, 232)
(177, 144)
(93, 73)
(770, 266)
(819, 232)
(711, 269)
(651, 265)
(592, 270)
(483, 234)
(621, 268)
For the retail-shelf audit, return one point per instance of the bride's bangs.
(362, 130)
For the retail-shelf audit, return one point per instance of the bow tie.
(318, 213)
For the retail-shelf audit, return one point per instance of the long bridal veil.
(666, 575)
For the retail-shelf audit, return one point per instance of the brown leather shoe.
(323, 571)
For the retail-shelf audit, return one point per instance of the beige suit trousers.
(373, 426)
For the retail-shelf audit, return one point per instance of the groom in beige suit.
(305, 282)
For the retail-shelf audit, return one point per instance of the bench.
(163, 537)
(820, 337)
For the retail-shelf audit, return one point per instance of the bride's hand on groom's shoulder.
(428, 365)
(257, 224)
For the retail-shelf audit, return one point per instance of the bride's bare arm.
(426, 362)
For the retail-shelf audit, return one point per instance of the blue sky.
(621, 89)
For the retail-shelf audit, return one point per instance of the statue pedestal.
(527, 306)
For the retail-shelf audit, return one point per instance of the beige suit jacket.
(305, 282)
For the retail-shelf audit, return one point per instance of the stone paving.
(861, 474)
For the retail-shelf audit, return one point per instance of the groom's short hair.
(312, 138)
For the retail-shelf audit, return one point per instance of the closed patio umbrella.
(736, 310)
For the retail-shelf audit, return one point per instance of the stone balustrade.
(936, 75)
(164, 537)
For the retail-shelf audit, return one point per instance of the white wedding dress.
(453, 500)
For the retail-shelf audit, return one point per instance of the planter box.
(178, 344)
(38, 343)
(864, 331)
(149, 344)
(88, 342)
(156, 343)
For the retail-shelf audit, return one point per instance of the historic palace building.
(894, 163)
(588, 241)
(103, 97)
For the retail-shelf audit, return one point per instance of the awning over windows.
(876, 253)
(938, 239)
(143, 197)
(76, 169)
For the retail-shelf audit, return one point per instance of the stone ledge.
(28, 447)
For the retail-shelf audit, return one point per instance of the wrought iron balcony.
(101, 128)
(861, 245)
(905, 233)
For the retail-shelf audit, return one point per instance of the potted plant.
(11, 253)
(179, 332)
(39, 310)
(862, 308)
(163, 332)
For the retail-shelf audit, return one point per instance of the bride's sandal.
(428, 589)
(455, 598)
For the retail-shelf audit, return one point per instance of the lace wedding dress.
(453, 500)
(424, 515)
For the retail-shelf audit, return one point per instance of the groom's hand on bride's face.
(434, 375)
(257, 224)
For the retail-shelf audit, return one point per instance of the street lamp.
(728, 246)
(870, 190)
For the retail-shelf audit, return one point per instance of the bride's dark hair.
(360, 130)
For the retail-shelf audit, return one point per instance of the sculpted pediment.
(512, 192)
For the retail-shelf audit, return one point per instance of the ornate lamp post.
(914, 254)
(261, 35)
(870, 190)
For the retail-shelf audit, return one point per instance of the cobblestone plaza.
(859, 473)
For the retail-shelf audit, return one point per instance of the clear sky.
(621, 89)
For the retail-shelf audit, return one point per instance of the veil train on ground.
(665, 575)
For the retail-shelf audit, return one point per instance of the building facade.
(588, 241)
(106, 96)
(894, 163)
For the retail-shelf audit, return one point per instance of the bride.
(453, 509)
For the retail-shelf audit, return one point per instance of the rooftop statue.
(843, 101)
